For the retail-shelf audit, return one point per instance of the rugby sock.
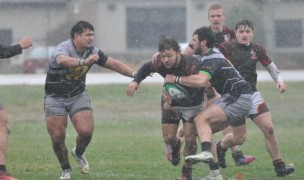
(186, 171)
(80, 148)
(214, 165)
(2, 167)
(66, 167)
(278, 163)
(206, 146)
(220, 148)
(215, 172)
(238, 154)
(175, 147)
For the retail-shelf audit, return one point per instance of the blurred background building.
(130, 29)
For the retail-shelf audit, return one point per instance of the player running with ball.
(185, 106)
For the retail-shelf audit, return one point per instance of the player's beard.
(176, 62)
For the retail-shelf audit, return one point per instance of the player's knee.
(57, 139)
(240, 140)
(86, 134)
(268, 130)
(169, 138)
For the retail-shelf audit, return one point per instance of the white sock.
(215, 172)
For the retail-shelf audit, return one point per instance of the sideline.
(115, 78)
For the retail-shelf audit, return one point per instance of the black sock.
(80, 150)
(206, 146)
(278, 162)
(176, 145)
(214, 166)
(2, 167)
(186, 171)
(238, 154)
(220, 147)
(66, 167)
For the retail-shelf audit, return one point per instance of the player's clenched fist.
(91, 59)
(26, 42)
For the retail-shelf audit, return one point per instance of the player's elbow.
(61, 61)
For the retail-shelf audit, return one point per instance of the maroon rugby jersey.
(225, 36)
(245, 58)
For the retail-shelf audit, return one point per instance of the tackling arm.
(196, 80)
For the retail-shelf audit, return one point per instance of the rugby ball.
(176, 91)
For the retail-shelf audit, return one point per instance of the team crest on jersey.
(227, 37)
(253, 54)
(76, 72)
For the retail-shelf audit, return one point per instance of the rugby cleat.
(240, 159)
(213, 177)
(66, 174)
(81, 161)
(174, 157)
(204, 156)
(282, 170)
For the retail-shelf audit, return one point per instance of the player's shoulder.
(66, 43)
(228, 43)
(227, 30)
(256, 45)
(215, 53)
(191, 58)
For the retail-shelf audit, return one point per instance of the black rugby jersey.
(224, 77)
(187, 66)
(10, 51)
(245, 58)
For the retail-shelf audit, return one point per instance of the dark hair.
(205, 33)
(245, 23)
(80, 27)
(165, 44)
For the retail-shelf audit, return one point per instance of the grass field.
(127, 142)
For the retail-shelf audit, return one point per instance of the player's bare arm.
(197, 80)
(119, 67)
(66, 61)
